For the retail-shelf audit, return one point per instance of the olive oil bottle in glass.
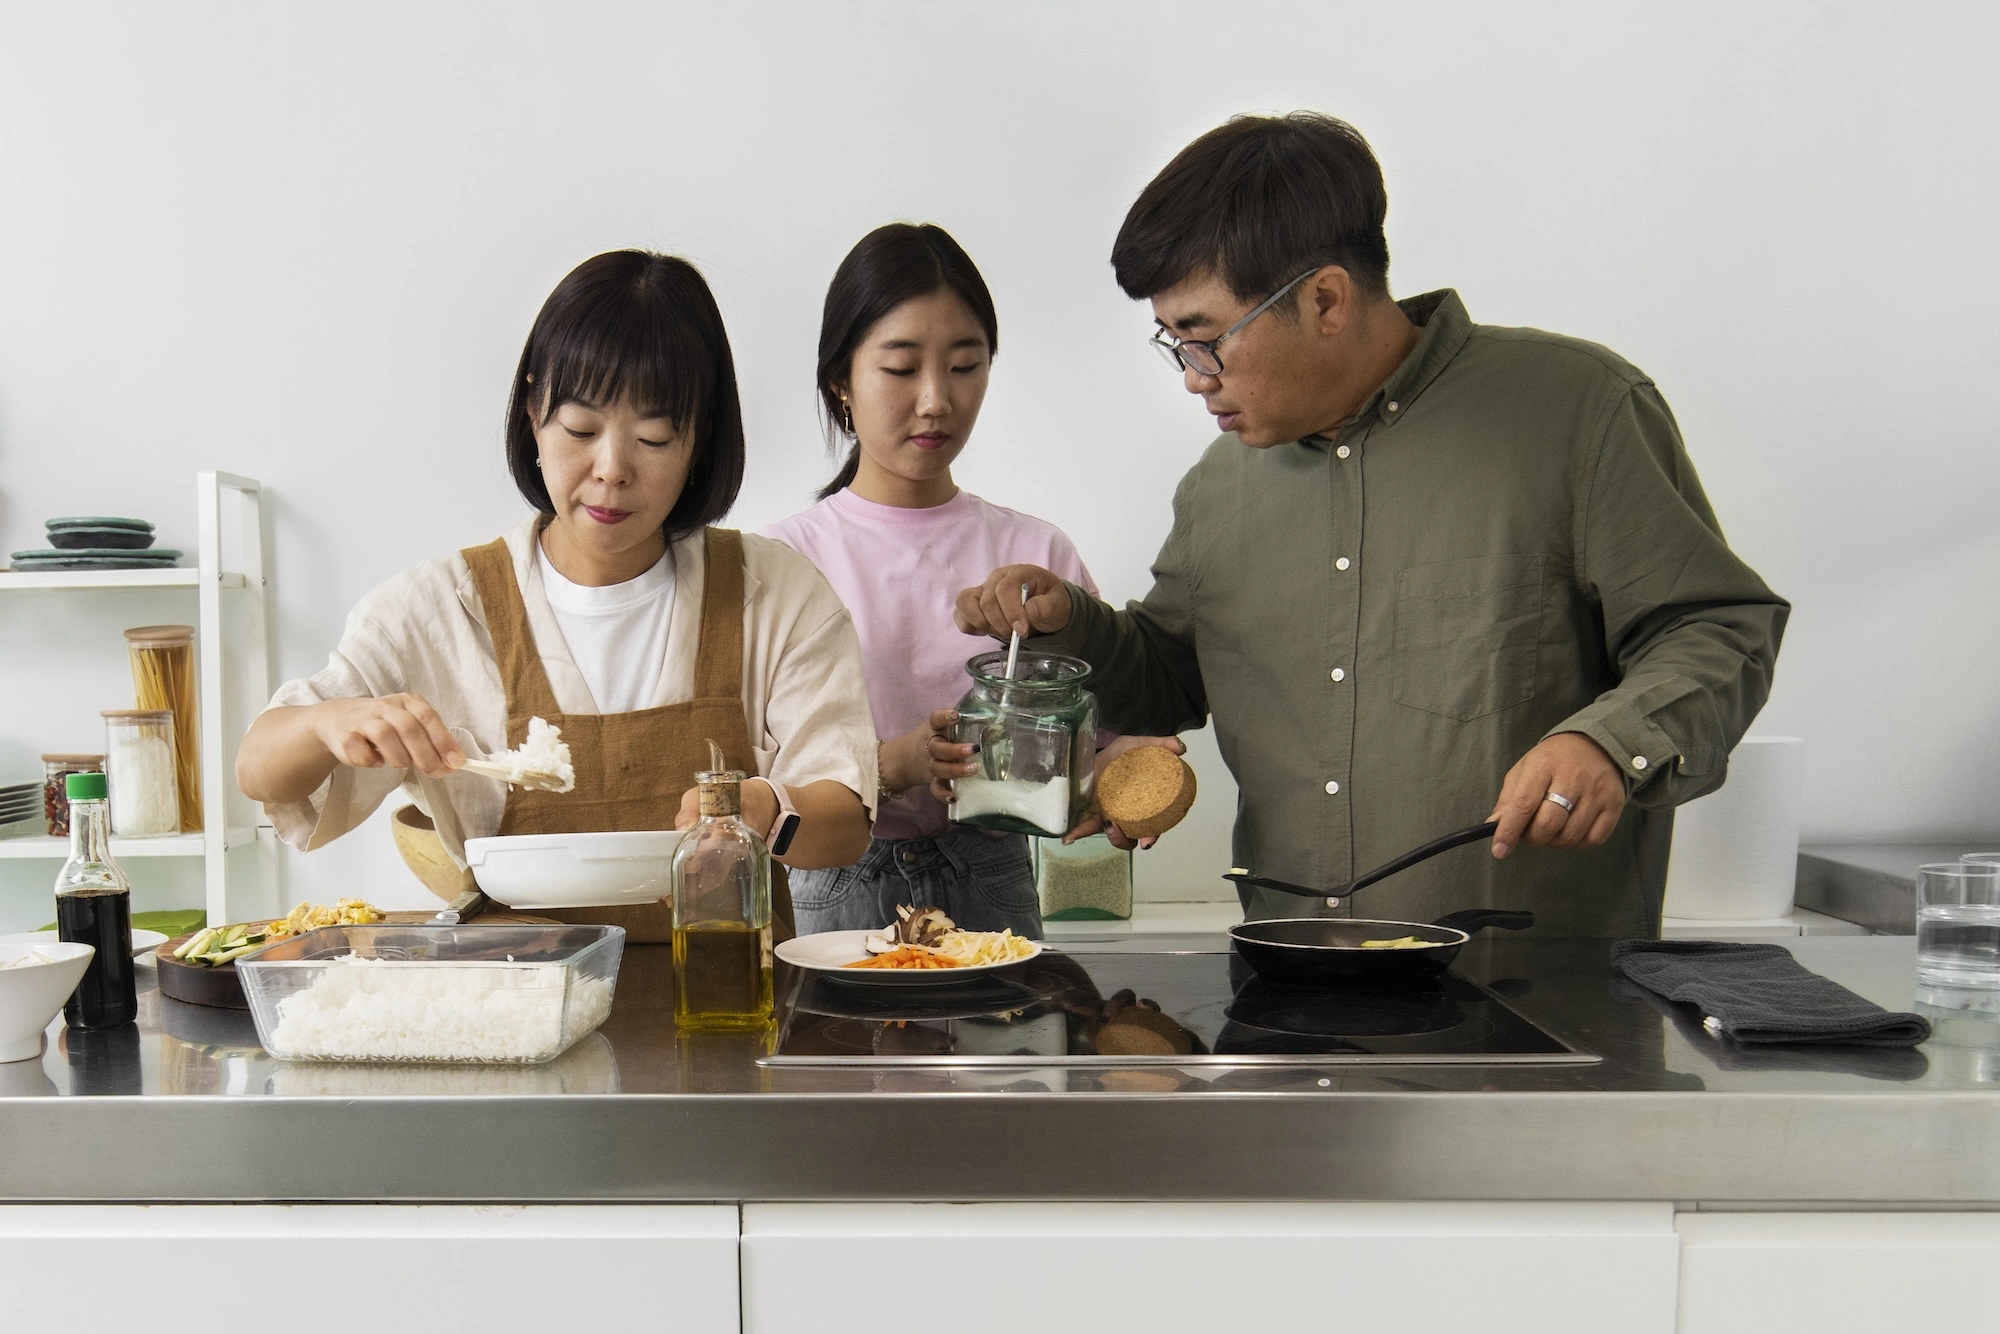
(722, 914)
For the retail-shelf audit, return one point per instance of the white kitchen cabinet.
(195, 1269)
(1837, 1273)
(1163, 1268)
(233, 652)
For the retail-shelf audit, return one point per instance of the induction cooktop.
(1176, 1008)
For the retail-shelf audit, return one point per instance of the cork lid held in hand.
(1146, 791)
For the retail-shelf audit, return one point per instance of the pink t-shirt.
(899, 571)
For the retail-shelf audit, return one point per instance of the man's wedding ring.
(1560, 800)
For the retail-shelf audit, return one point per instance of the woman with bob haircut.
(906, 344)
(617, 611)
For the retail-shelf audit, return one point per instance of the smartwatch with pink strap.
(786, 826)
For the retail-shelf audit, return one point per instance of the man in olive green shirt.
(1428, 561)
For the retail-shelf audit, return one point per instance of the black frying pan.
(1323, 951)
(1331, 951)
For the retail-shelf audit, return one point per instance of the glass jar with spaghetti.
(163, 678)
(139, 766)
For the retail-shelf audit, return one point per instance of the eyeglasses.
(1200, 357)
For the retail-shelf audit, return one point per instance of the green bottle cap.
(84, 787)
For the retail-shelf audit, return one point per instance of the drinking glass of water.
(1958, 925)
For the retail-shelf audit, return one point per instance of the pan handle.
(1471, 920)
(1382, 872)
(1422, 854)
(1282, 886)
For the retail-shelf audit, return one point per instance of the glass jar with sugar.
(1037, 735)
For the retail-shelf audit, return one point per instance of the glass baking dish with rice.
(467, 995)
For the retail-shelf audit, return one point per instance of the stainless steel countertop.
(188, 1107)
(1874, 884)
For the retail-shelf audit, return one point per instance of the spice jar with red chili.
(55, 802)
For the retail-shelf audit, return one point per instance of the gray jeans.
(982, 881)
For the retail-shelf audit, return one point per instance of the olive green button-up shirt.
(1508, 541)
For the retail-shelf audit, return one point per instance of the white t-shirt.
(424, 631)
(616, 634)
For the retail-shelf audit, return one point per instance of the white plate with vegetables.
(923, 948)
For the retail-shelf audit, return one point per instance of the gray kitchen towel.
(1760, 993)
(1896, 1064)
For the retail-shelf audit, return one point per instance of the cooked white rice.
(404, 1010)
(543, 756)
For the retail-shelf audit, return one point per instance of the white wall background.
(304, 242)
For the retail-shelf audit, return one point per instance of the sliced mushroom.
(924, 928)
(928, 927)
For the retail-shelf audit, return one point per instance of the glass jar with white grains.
(1085, 881)
(1037, 735)
(139, 765)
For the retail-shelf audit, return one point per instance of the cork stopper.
(721, 793)
(721, 786)
(1146, 791)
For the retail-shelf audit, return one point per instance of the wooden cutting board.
(199, 984)
(196, 983)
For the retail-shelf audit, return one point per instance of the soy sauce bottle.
(94, 907)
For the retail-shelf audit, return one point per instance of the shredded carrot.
(902, 957)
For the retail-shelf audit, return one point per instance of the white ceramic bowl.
(31, 993)
(143, 941)
(528, 871)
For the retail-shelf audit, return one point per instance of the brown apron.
(631, 768)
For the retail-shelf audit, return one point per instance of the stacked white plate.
(20, 802)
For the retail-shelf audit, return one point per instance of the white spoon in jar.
(995, 733)
(1014, 644)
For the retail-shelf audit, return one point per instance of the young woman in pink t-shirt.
(905, 347)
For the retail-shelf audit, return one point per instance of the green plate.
(99, 521)
(95, 563)
(150, 555)
(169, 923)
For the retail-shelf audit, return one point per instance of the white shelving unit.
(233, 651)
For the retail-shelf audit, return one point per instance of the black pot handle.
(1471, 920)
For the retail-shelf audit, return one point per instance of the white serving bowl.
(143, 941)
(32, 993)
(574, 870)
